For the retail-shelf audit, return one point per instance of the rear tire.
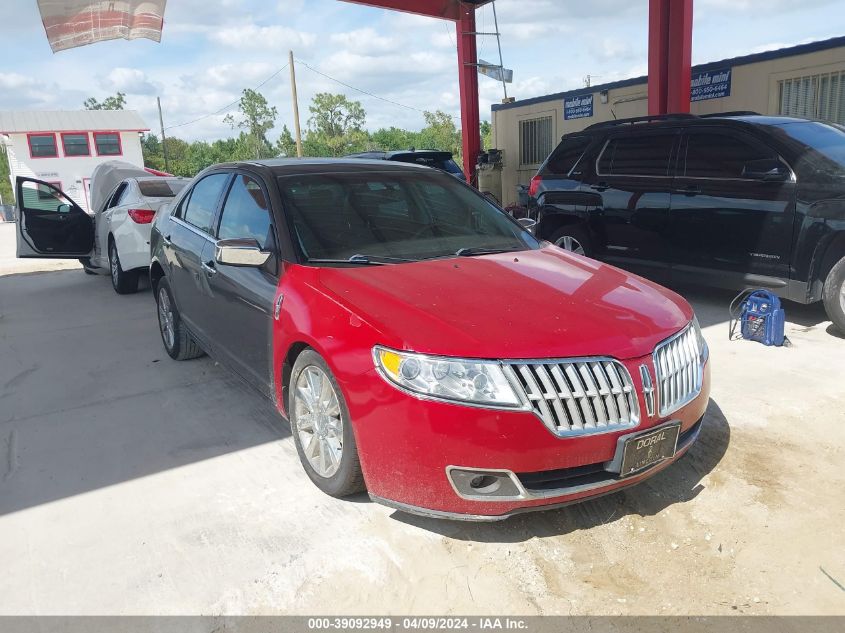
(124, 282)
(317, 408)
(178, 342)
(573, 239)
(833, 295)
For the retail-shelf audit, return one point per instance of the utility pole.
(297, 129)
(163, 138)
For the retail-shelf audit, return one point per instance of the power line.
(226, 107)
(369, 94)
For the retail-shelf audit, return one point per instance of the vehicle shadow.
(89, 398)
(679, 483)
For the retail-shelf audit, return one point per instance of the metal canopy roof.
(71, 121)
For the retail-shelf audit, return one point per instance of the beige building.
(806, 81)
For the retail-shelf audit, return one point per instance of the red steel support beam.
(680, 56)
(658, 55)
(447, 9)
(468, 82)
(669, 56)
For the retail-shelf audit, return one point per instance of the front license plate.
(646, 449)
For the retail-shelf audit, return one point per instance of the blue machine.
(760, 317)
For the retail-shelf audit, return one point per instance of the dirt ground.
(131, 484)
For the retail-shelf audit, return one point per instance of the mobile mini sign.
(579, 107)
(713, 84)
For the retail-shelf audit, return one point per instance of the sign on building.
(579, 107)
(713, 84)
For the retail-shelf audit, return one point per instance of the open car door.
(50, 224)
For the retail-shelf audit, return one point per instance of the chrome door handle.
(165, 239)
(209, 268)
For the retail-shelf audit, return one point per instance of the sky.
(212, 49)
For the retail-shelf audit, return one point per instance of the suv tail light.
(141, 216)
(535, 184)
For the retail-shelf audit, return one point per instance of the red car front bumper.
(406, 445)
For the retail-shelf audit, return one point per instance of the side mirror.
(528, 224)
(63, 208)
(240, 252)
(767, 170)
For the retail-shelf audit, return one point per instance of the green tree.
(440, 132)
(393, 138)
(5, 184)
(115, 102)
(286, 145)
(336, 126)
(486, 135)
(257, 118)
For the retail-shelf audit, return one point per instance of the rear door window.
(716, 155)
(637, 155)
(566, 155)
(200, 207)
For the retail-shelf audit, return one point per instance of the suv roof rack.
(642, 119)
(730, 113)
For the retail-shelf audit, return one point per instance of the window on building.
(107, 143)
(814, 97)
(535, 140)
(43, 146)
(639, 155)
(721, 156)
(76, 144)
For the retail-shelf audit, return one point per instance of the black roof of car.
(399, 152)
(687, 120)
(288, 166)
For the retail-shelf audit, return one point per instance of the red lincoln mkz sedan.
(423, 345)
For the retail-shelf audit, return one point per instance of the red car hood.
(532, 304)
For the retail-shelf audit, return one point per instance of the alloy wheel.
(166, 319)
(114, 265)
(569, 243)
(319, 422)
(842, 296)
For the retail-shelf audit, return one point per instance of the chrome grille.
(579, 396)
(678, 367)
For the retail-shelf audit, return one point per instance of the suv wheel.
(573, 239)
(833, 295)
(124, 282)
(321, 429)
(179, 344)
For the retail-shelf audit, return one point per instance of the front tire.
(833, 295)
(124, 282)
(321, 428)
(178, 342)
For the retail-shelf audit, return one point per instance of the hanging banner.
(580, 107)
(72, 23)
(496, 72)
(713, 84)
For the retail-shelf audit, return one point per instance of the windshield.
(400, 215)
(827, 140)
(438, 160)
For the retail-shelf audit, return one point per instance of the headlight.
(703, 350)
(451, 379)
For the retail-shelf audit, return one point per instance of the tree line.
(336, 126)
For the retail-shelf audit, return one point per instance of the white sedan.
(115, 241)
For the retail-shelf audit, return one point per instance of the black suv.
(436, 158)
(734, 200)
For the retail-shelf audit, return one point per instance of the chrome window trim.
(192, 228)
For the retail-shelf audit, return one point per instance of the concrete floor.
(132, 484)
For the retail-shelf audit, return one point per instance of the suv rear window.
(640, 155)
(566, 155)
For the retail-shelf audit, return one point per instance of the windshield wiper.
(470, 252)
(365, 260)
